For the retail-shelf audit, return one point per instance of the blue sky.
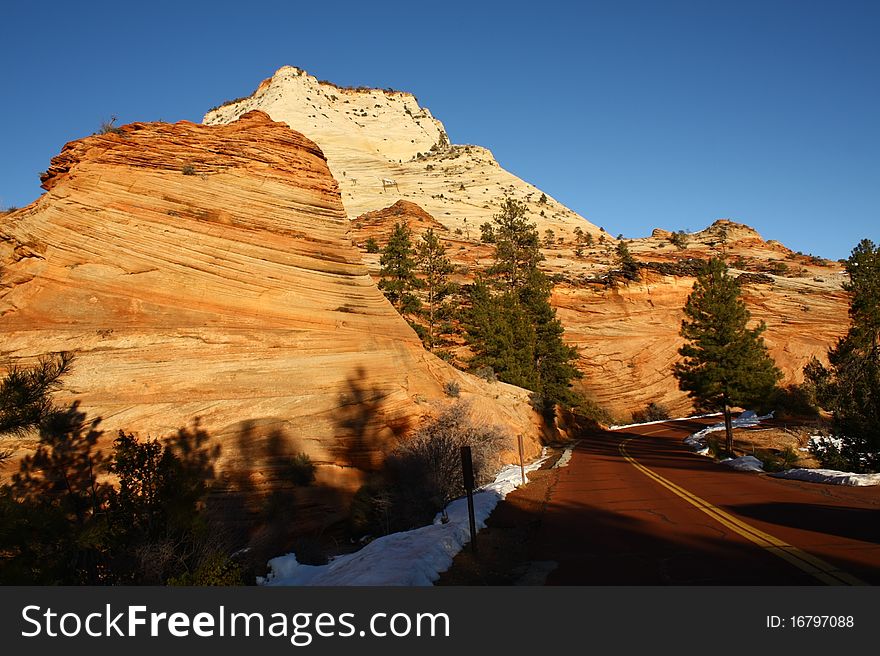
(635, 114)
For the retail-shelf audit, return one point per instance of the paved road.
(634, 506)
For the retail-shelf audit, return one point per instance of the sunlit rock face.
(394, 161)
(206, 273)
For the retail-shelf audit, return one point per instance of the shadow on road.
(855, 523)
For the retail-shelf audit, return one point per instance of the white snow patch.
(409, 558)
(744, 463)
(824, 441)
(829, 476)
(663, 421)
(563, 459)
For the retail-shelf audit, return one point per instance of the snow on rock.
(409, 558)
(829, 476)
(744, 463)
(818, 442)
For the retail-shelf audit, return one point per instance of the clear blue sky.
(634, 114)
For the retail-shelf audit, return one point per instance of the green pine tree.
(511, 325)
(502, 336)
(725, 362)
(850, 386)
(398, 271)
(627, 262)
(517, 245)
(435, 268)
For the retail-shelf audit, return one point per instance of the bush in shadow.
(652, 412)
(63, 522)
(424, 473)
(592, 411)
(791, 402)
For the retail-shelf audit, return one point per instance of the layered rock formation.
(208, 272)
(383, 147)
(380, 223)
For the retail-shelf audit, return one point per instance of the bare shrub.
(452, 389)
(486, 372)
(424, 473)
(433, 453)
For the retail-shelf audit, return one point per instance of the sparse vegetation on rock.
(679, 239)
(626, 263)
(109, 127)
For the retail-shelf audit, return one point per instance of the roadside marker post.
(467, 470)
(522, 467)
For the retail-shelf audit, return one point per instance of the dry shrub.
(424, 473)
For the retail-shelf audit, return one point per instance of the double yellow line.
(815, 567)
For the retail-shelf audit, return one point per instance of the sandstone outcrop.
(383, 146)
(208, 272)
(380, 223)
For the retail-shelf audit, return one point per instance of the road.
(635, 506)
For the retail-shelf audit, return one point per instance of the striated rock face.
(628, 334)
(208, 272)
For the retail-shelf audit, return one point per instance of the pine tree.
(511, 325)
(725, 362)
(398, 271)
(502, 336)
(627, 262)
(517, 245)
(850, 386)
(25, 395)
(435, 268)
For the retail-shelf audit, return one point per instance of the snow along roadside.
(829, 477)
(750, 463)
(409, 558)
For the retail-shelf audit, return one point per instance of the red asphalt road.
(607, 522)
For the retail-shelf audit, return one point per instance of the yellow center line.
(815, 567)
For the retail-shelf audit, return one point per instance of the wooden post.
(728, 431)
(467, 470)
(522, 467)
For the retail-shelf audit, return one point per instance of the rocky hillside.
(383, 147)
(207, 273)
